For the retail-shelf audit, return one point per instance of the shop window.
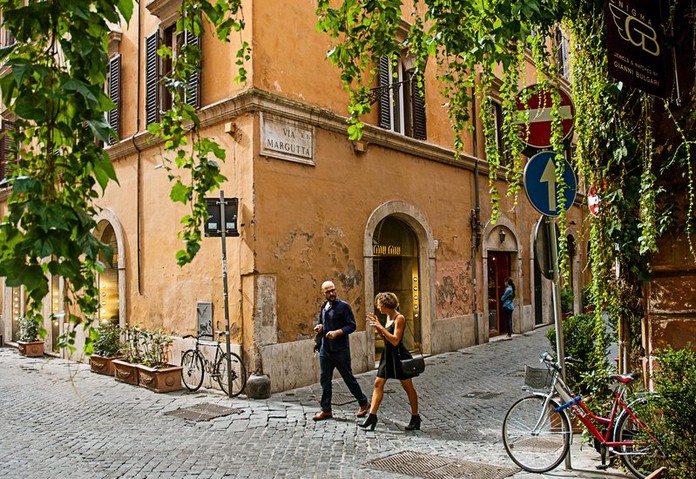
(401, 99)
(108, 280)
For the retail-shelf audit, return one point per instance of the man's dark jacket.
(338, 316)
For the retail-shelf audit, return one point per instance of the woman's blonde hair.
(388, 300)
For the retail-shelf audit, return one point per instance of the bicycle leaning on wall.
(537, 433)
(195, 364)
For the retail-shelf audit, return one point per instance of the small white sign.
(287, 140)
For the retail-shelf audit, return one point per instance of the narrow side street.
(57, 419)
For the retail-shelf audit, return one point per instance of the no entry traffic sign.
(534, 116)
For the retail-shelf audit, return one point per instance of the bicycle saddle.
(624, 378)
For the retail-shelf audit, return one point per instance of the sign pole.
(223, 222)
(560, 348)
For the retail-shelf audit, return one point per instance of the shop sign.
(635, 45)
(386, 250)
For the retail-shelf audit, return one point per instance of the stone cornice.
(253, 101)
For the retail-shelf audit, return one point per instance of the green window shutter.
(418, 96)
(114, 115)
(385, 105)
(192, 95)
(151, 79)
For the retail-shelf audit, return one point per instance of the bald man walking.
(336, 322)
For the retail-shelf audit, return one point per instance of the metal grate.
(202, 412)
(438, 467)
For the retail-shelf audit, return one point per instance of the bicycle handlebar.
(218, 333)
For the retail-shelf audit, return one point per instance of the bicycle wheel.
(239, 377)
(642, 457)
(192, 374)
(536, 438)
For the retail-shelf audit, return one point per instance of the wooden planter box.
(31, 349)
(102, 364)
(160, 380)
(125, 372)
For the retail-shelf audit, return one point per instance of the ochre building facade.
(392, 212)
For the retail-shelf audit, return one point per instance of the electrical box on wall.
(214, 224)
(204, 313)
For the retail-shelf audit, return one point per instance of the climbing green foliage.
(52, 86)
(479, 49)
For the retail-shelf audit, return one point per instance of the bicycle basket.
(537, 378)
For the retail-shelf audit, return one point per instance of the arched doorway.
(108, 281)
(395, 259)
(499, 268)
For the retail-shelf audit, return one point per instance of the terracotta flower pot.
(160, 380)
(125, 372)
(31, 349)
(102, 364)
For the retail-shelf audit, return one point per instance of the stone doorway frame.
(410, 215)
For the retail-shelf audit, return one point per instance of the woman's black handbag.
(410, 366)
(413, 366)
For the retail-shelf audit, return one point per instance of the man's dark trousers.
(328, 360)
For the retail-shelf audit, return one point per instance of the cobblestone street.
(57, 419)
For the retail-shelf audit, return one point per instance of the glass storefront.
(395, 257)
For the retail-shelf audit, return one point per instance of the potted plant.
(154, 370)
(29, 342)
(125, 368)
(106, 339)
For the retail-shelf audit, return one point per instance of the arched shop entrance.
(396, 269)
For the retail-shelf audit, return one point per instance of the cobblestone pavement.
(59, 420)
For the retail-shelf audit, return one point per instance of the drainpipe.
(138, 180)
(475, 219)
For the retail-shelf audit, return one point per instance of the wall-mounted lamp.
(501, 235)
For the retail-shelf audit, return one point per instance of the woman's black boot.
(414, 424)
(370, 422)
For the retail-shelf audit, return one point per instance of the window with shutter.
(7, 148)
(401, 101)
(158, 97)
(151, 79)
(192, 93)
(114, 84)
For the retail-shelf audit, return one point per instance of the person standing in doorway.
(336, 322)
(390, 364)
(508, 305)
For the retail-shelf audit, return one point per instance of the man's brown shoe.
(362, 412)
(323, 415)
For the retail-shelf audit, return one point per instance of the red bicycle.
(537, 433)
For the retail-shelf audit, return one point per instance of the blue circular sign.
(541, 184)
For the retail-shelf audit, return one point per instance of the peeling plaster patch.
(452, 292)
(294, 238)
(350, 279)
